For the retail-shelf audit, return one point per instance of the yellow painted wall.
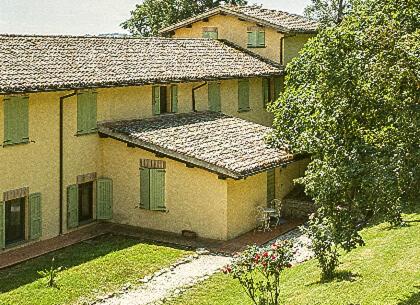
(243, 198)
(292, 45)
(285, 176)
(195, 198)
(234, 30)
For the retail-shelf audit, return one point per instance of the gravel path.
(170, 282)
(301, 244)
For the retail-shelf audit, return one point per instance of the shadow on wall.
(27, 272)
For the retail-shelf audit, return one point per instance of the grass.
(385, 271)
(92, 268)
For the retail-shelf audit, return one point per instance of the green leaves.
(352, 101)
(152, 15)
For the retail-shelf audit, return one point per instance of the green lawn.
(92, 268)
(386, 271)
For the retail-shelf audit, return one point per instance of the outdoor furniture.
(263, 219)
(276, 205)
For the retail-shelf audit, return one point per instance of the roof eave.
(170, 154)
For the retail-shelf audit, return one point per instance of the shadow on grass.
(74, 255)
(413, 299)
(339, 276)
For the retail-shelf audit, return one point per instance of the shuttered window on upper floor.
(243, 95)
(152, 184)
(256, 37)
(164, 99)
(214, 96)
(86, 112)
(210, 32)
(16, 119)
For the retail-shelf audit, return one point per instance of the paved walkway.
(170, 282)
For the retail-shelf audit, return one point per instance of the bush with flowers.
(258, 271)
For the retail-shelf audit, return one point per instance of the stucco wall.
(235, 30)
(292, 45)
(195, 199)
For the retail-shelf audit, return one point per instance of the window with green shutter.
(243, 95)
(152, 184)
(266, 91)
(86, 112)
(210, 32)
(214, 96)
(271, 185)
(174, 98)
(104, 198)
(278, 86)
(72, 206)
(16, 120)
(256, 37)
(35, 216)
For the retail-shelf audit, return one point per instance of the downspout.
(61, 188)
(193, 95)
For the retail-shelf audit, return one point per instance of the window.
(20, 216)
(214, 96)
(243, 95)
(86, 112)
(16, 120)
(152, 185)
(266, 90)
(278, 86)
(210, 32)
(164, 99)
(256, 37)
(85, 201)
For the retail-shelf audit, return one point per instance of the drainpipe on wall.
(61, 188)
(193, 95)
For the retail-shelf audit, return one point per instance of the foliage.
(152, 15)
(328, 12)
(385, 271)
(351, 101)
(258, 271)
(323, 246)
(91, 269)
(50, 274)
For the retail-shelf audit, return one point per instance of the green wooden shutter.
(81, 112)
(156, 99)
(92, 111)
(261, 38)
(271, 185)
(174, 98)
(2, 224)
(35, 216)
(206, 34)
(72, 206)
(213, 35)
(145, 188)
(252, 38)
(278, 84)
(157, 189)
(266, 91)
(243, 95)
(214, 96)
(104, 198)
(16, 119)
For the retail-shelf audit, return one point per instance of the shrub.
(50, 274)
(258, 271)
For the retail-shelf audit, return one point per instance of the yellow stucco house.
(161, 133)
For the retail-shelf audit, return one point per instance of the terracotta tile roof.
(282, 21)
(43, 63)
(226, 145)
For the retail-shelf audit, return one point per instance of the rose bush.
(258, 271)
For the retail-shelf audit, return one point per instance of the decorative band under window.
(147, 163)
(86, 178)
(15, 194)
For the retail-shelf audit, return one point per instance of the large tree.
(152, 15)
(352, 101)
(328, 12)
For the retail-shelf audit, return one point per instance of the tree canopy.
(328, 12)
(152, 15)
(352, 101)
